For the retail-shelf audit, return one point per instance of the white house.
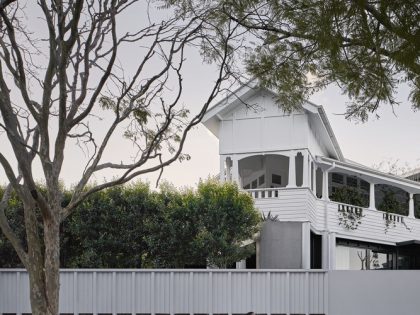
(292, 165)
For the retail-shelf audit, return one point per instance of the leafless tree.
(51, 89)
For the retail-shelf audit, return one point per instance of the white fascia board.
(230, 99)
(406, 184)
(213, 117)
(319, 111)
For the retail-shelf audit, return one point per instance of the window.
(261, 180)
(247, 186)
(276, 179)
(254, 184)
(363, 256)
(364, 185)
(337, 178)
(351, 181)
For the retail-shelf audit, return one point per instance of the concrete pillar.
(331, 251)
(305, 173)
(325, 186)
(222, 168)
(292, 170)
(411, 206)
(235, 170)
(372, 197)
(241, 264)
(306, 245)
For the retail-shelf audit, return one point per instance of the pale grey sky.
(390, 137)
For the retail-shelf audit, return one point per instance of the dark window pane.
(276, 179)
(337, 178)
(254, 184)
(261, 180)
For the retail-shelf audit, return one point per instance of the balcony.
(301, 204)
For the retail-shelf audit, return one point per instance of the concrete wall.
(280, 245)
(374, 292)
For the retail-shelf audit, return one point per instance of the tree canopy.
(65, 82)
(368, 48)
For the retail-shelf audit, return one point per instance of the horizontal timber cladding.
(289, 205)
(373, 227)
(300, 205)
(175, 292)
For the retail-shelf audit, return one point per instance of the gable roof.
(213, 115)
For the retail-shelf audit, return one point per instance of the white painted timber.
(301, 205)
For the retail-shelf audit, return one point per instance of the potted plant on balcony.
(350, 219)
(390, 205)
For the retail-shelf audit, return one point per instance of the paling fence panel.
(175, 291)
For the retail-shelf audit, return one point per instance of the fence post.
(229, 289)
(307, 298)
(249, 285)
(133, 293)
(191, 294)
(287, 293)
(152, 293)
(326, 292)
(268, 294)
(75, 294)
(114, 292)
(210, 293)
(94, 294)
(18, 304)
(171, 293)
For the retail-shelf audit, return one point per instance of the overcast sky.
(389, 137)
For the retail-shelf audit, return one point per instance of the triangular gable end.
(319, 125)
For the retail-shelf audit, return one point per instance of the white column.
(235, 170)
(325, 251)
(228, 169)
(292, 170)
(305, 173)
(222, 168)
(314, 178)
(411, 206)
(306, 245)
(325, 185)
(372, 197)
(331, 251)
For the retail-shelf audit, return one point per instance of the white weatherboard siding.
(300, 205)
(263, 127)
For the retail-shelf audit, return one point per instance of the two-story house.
(330, 212)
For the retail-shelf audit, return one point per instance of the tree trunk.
(44, 269)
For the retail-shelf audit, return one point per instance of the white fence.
(222, 292)
(175, 292)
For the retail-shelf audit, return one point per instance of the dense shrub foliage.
(134, 227)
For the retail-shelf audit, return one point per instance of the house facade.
(325, 211)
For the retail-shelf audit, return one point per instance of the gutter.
(403, 181)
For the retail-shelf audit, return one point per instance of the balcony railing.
(264, 192)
